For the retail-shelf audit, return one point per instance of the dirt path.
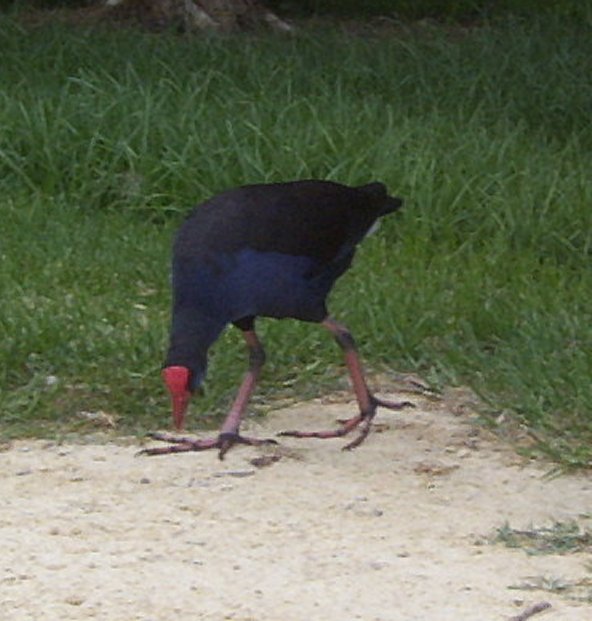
(396, 531)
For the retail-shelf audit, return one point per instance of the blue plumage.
(266, 250)
(255, 283)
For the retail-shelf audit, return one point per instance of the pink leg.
(256, 362)
(367, 402)
(229, 432)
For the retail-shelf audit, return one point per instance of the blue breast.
(250, 282)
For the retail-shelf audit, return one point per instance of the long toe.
(178, 445)
(339, 432)
(364, 431)
(228, 440)
(224, 442)
(362, 420)
(167, 437)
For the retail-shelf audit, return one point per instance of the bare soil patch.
(397, 530)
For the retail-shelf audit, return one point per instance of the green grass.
(108, 137)
(560, 538)
(450, 10)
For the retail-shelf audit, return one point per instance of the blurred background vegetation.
(478, 114)
(455, 10)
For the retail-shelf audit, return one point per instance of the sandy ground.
(398, 530)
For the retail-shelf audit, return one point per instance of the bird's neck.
(192, 334)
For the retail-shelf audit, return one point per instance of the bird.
(264, 250)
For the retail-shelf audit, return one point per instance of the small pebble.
(264, 460)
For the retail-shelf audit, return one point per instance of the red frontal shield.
(177, 382)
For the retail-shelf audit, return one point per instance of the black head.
(186, 363)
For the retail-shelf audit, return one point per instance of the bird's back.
(313, 218)
(274, 249)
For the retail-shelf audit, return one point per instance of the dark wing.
(320, 220)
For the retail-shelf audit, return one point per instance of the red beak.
(177, 381)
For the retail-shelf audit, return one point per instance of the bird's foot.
(224, 442)
(363, 421)
(346, 426)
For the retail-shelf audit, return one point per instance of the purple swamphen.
(270, 250)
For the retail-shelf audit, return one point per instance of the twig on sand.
(531, 611)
